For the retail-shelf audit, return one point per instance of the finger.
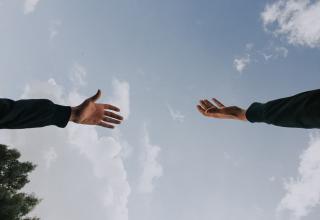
(208, 103)
(201, 110)
(111, 120)
(218, 103)
(113, 115)
(204, 104)
(111, 107)
(105, 125)
(96, 96)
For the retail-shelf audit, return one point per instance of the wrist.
(243, 116)
(73, 114)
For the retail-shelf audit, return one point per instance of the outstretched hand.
(91, 113)
(218, 110)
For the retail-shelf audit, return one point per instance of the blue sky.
(156, 59)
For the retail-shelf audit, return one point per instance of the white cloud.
(50, 156)
(267, 56)
(30, 6)
(297, 20)
(176, 115)
(274, 52)
(249, 46)
(78, 75)
(77, 146)
(151, 169)
(270, 52)
(303, 193)
(104, 153)
(54, 28)
(272, 179)
(241, 63)
(121, 96)
(282, 51)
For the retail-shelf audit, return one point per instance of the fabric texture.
(32, 113)
(299, 111)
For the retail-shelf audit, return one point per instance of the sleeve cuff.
(255, 112)
(61, 116)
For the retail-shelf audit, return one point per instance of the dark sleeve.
(300, 111)
(32, 113)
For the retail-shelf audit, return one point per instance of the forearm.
(32, 113)
(301, 110)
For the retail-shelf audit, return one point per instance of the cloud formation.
(76, 146)
(303, 193)
(30, 6)
(251, 54)
(297, 20)
(54, 28)
(151, 168)
(78, 75)
(176, 115)
(274, 52)
(104, 153)
(121, 96)
(50, 156)
(241, 63)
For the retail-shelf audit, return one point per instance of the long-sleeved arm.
(300, 111)
(32, 113)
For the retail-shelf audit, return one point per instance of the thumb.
(96, 96)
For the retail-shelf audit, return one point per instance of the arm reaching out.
(32, 113)
(299, 111)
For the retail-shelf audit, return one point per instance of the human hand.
(218, 110)
(91, 113)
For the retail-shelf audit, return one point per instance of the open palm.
(218, 110)
(91, 113)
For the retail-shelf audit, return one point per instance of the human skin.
(216, 109)
(89, 112)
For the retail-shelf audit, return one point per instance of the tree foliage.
(14, 204)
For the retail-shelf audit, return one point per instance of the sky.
(155, 60)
